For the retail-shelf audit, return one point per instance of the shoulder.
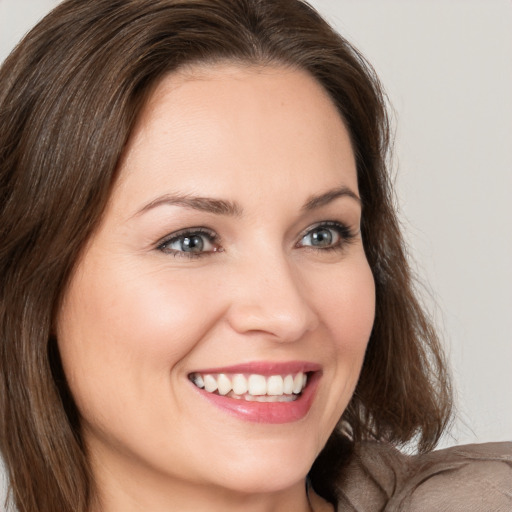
(470, 478)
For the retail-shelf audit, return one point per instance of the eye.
(328, 235)
(191, 243)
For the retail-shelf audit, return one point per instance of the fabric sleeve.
(471, 478)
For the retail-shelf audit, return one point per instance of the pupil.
(322, 237)
(192, 244)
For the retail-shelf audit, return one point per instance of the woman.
(205, 303)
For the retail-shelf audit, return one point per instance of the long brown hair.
(70, 94)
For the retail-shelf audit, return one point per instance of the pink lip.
(266, 412)
(265, 368)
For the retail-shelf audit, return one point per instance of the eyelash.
(343, 231)
(211, 236)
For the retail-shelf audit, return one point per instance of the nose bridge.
(270, 297)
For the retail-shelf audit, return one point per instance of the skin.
(136, 320)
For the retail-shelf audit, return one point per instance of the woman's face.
(229, 256)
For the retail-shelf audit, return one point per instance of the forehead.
(243, 83)
(214, 126)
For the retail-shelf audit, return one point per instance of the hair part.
(70, 95)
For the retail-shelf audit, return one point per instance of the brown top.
(470, 478)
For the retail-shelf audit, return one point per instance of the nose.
(269, 297)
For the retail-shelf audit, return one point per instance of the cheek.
(348, 308)
(123, 329)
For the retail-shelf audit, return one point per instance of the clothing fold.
(468, 478)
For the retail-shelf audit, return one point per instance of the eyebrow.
(233, 209)
(204, 204)
(316, 201)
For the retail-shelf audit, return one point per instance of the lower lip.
(267, 412)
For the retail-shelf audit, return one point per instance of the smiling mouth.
(253, 387)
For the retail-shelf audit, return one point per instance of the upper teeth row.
(254, 384)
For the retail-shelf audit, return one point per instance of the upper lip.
(265, 368)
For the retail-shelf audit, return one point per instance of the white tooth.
(210, 383)
(224, 384)
(197, 380)
(275, 385)
(257, 385)
(297, 383)
(288, 385)
(239, 384)
(304, 380)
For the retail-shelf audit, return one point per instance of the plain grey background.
(447, 69)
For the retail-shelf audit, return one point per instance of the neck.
(141, 495)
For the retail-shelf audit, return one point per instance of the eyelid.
(212, 236)
(345, 233)
(186, 231)
(343, 227)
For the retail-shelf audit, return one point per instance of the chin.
(267, 469)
